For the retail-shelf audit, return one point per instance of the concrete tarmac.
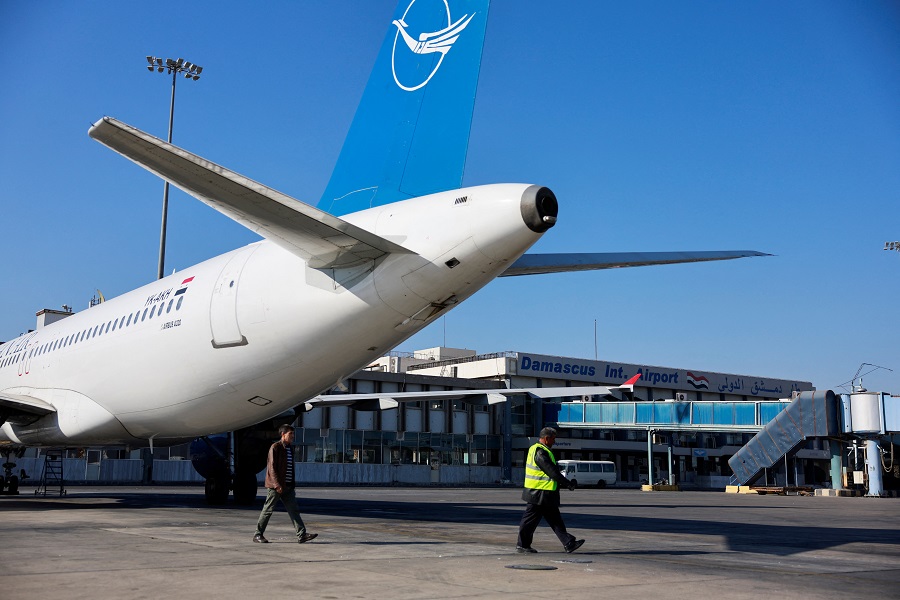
(411, 543)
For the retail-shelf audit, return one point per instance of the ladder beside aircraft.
(52, 480)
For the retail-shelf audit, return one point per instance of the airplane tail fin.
(410, 134)
(629, 385)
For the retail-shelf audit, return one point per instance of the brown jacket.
(276, 466)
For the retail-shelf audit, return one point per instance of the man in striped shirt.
(280, 486)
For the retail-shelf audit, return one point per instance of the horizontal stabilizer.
(538, 264)
(20, 409)
(325, 241)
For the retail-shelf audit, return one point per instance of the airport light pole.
(172, 67)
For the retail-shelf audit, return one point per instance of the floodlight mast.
(191, 71)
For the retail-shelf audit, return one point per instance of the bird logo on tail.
(427, 43)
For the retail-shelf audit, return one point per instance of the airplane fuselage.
(244, 336)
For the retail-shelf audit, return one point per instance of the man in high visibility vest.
(542, 481)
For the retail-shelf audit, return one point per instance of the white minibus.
(589, 472)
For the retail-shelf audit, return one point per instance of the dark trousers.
(532, 517)
(290, 505)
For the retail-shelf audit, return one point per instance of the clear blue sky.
(772, 126)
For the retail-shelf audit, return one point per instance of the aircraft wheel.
(216, 490)
(244, 488)
(12, 485)
(2, 484)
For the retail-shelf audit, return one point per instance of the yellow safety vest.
(535, 478)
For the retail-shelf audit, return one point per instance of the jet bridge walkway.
(739, 416)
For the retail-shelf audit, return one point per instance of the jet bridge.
(738, 416)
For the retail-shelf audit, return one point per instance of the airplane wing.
(323, 240)
(20, 409)
(538, 264)
(387, 400)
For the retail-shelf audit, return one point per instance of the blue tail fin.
(411, 130)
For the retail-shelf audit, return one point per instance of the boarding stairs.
(52, 481)
(809, 415)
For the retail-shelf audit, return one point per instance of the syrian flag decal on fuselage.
(184, 286)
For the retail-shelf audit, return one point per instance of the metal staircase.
(52, 481)
(810, 414)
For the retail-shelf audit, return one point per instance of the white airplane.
(245, 336)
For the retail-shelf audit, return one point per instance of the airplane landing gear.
(216, 488)
(213, 458)
(9, 483)
(244, 488)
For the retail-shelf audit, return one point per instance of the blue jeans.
(290, 505)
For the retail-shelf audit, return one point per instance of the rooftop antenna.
(859, 387)
(98, 299)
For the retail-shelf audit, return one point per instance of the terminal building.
(498, 435)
